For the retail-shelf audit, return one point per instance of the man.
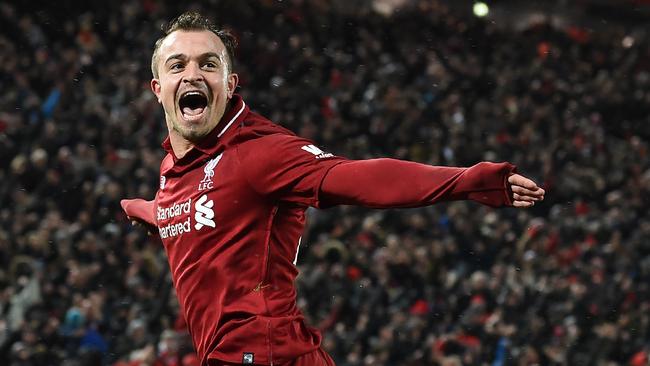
(234, 188)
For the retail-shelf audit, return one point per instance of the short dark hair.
(189, 21)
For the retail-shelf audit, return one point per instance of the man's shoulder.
(256, 130)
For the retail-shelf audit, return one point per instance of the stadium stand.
(565, 283)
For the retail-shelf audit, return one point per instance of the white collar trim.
(243, 105)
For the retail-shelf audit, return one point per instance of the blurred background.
(560, 88)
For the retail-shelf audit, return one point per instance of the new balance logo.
(318, 153)
(206, 182)
(204, 212)
(248, 358)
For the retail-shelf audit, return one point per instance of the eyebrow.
(180, 56)
(211, 54)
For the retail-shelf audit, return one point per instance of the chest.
(211, 198)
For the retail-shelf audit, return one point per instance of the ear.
(233, 80)
(155, 88)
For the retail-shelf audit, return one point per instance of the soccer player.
(233, 192)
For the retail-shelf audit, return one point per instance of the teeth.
(192, 93)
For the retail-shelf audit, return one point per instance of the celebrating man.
(234, 188)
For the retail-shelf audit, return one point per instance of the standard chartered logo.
(174, 229)
(180, 216)
(204, 213)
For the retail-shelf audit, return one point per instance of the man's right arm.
(141, 211)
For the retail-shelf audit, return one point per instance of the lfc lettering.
(203, 185)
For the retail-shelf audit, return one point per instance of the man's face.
(194, 82)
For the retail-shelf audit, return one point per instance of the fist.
(525, 192)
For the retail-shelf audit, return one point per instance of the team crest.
(208, 170)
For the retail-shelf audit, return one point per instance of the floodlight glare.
(481, 9)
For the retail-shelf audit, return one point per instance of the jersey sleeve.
(386, 183)
(286, 167)
(140, 210)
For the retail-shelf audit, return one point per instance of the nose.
(192, 73)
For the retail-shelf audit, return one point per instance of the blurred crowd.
(564, 283)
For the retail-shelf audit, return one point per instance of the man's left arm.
(386, 183)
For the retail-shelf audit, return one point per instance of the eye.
(176, 66)
(210, 65)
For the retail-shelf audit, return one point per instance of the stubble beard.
(195, 132)
(192, 133)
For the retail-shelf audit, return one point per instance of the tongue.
(192, 111)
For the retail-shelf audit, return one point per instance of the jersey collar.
(211, 144)
(235, 114)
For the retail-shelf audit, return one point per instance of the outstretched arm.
(140, 211)
(385, 183)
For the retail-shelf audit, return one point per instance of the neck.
(180, 146)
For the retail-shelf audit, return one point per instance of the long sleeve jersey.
(230, 214)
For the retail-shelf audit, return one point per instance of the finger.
(532, 192)
(526, 197)
(523, 204)
(527, 192)
(520, 197)
(522, 181)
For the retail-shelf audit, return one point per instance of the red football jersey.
(230, 214)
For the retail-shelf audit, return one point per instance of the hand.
(142, 225)
(525, 192)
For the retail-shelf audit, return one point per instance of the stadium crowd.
(564, 283)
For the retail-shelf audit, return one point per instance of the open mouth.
(192, 104)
